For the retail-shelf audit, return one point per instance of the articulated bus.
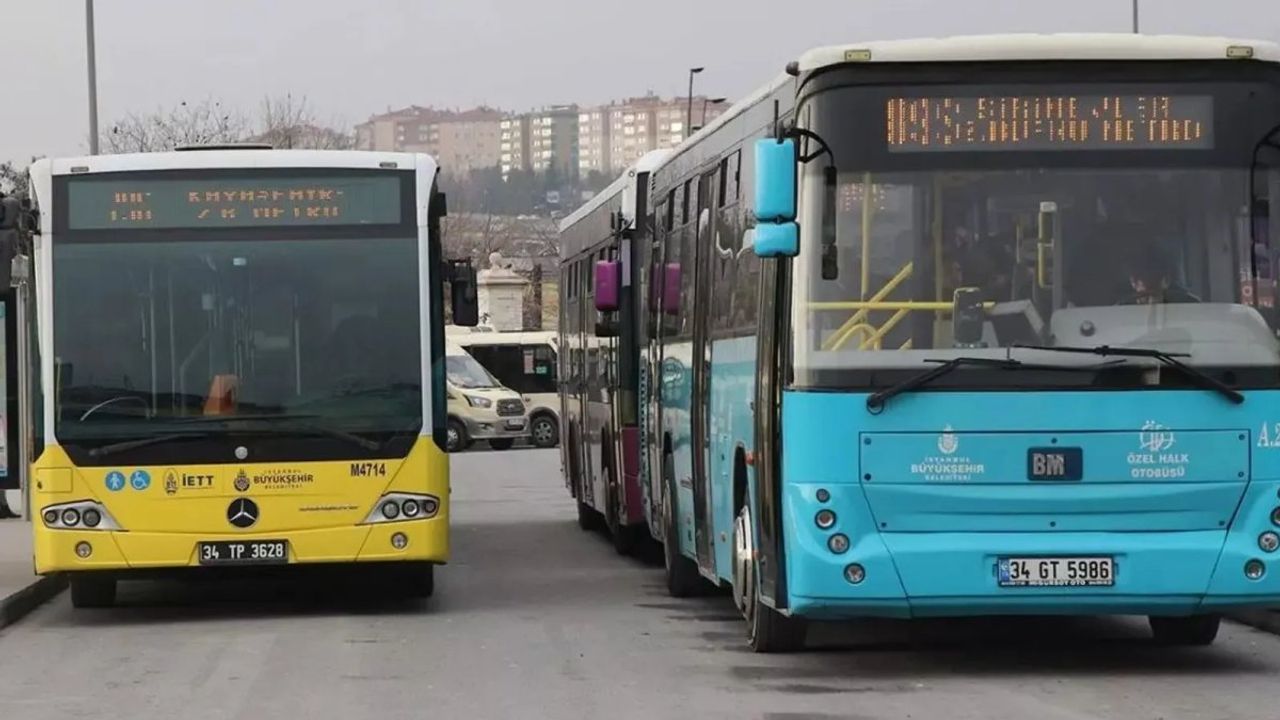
(970, 326)
(239, 362)
(599, 353)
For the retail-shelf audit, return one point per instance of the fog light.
(838, 544)
(390, 510)
(50, 517)
(1254, 569)
(855, 574)
(825, 519)
(1275, 517)
(83, 550)
(410, 508)
(1269, 542)
(70, 517)
(399, 541)
(91, 518)
(430, 506)
(824, 495)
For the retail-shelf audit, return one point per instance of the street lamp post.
(1135, 17)
(705, 103)
(689, 118)
(93, 77)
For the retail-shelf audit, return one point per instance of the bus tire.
(545, 431)
(1193, 631)
(93, 591)
(502, 443)
(682, 575)
(768, 631)
(419, 580)
(588, 518)
(455, 436)
(623, 536)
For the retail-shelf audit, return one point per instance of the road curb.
(17, 605)
(1268, 620)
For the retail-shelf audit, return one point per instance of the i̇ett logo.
(242, 513)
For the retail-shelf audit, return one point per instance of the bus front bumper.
(65, 550)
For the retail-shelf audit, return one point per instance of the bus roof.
(993, 48)
(528, 337)
(213, 159)
(649, 162)
(1060, 46)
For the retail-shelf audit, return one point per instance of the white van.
(526, 363)
(480, 407)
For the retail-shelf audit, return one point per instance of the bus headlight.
(1269, 542)
(401, 507)
(825, 519)
(81, 515)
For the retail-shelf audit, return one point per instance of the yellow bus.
(239, 362)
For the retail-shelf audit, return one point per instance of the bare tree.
(289, 122)
(200, 123)
(14, 180)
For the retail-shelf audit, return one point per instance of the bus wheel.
(502, 444)
(93, 591)
(1197, 630)
(624, 537)
(455, 435)
(419, 580)
(768, 631)
(588, 518)
(545, 431)
(683, 579)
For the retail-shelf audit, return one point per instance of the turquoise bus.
(971, 326)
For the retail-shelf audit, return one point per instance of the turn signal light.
(1254, 569)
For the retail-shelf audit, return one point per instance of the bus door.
(701, 367)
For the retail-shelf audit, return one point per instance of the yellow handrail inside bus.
(845, 331)
(878, 336)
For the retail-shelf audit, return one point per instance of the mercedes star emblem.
(242, 513)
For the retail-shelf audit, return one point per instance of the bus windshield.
(152, 334)
(955, 239)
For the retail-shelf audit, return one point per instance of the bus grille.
(507, 408)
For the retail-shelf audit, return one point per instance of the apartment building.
(460, 140)
(541, 140)
(614, 136)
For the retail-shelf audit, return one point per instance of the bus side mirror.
(462, 293)
(608, 278)
(777, 234)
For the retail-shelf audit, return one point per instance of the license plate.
(247, 552)
(1064, 464)
(1056, 572)
(515, 425)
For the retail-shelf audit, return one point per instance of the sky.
(353, 59)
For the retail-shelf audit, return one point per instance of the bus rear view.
(234, 360)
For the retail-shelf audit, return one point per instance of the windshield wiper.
(127, 445)
(1199, 377)
(876, 401)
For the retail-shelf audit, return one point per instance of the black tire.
(456, 439)
(588, 518)
(768, 631)
(544, 431)
(502, 443)
(623, 536)
(1193, 631)
(419, 580)
(682, 575)
(93, 591)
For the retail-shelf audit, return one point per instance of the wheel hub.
(744, 562)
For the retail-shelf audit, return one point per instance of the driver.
(1151, 279)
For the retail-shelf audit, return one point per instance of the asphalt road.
(535, 619)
